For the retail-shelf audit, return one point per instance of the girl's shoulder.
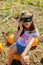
(35, 33)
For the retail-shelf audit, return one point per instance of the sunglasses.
(26, 19)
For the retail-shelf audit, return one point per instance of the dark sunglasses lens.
(28, 19)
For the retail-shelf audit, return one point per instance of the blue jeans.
(20, 47)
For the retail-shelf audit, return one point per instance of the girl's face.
(27, 24)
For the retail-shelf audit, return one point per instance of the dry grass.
(9, 27)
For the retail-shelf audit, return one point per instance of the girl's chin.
(27, 28)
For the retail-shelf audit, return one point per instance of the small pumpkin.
(17, 57)
(10, 39)
(1, 47)
(35, 43)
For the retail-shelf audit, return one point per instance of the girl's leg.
(12, 51)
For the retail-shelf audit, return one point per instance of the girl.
(23, 38)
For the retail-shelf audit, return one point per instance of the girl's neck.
(28, 29)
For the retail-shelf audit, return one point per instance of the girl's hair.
(31, 28)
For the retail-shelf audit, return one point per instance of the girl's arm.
(17, 34)
(28, 47)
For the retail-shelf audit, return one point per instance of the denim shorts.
(20, 47)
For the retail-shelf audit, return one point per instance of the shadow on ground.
(14, 62)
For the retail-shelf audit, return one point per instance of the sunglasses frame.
(26, 19)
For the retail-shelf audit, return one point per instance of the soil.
(10, 26)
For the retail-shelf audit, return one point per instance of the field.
(9, 14)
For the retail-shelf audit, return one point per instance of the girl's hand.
(21, 25)
(25, 60)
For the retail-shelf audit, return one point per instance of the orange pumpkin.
(1, 47)
(35, 43)
(10, 39)
(17, 57)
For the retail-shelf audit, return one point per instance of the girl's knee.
(13, 48)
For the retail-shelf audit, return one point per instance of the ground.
(9, 26)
